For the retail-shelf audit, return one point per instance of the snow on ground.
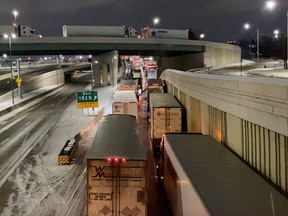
(39, 177)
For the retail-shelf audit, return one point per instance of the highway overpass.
(212, 53)
(170, 53)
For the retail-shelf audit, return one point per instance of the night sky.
(220, 20)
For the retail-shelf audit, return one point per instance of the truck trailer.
(19, 31)
(165, 116)
(128, 85)
(168, 33)
(116, 169)
(202, 177)
(99, 31)
(125, 102)
(154, 86)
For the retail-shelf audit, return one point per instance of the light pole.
(15, 13)
(90, 60)
(271, 5)
(156, 21)
(113, 78)
(247, 27)
(10, 36)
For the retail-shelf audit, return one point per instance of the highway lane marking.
(19, 155)
(11, 124)
(28, 123)
(3, 142)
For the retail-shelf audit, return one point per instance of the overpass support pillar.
(96, 73)
(106, 68)
(105, 74)
(114, 68)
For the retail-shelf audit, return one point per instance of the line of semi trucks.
(105, 31)
(199, 175)
(127, 31)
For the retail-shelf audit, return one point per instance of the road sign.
(87, 99)
(18, 81)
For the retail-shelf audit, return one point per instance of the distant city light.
(9, 35)
(276, 32)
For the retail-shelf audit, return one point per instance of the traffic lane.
(6, 85)
(26, 75)
(157, 203)
(69, 187)
(16, 142)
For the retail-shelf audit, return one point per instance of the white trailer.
(128, 85)
(116, 169)
(152, 74)
(19, 31)
(154, 86)
(165, 116)
(202, 177)
(98, 31)
(7, 29)
(165, 33)
(125, 102)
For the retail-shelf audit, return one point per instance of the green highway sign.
(87, 99)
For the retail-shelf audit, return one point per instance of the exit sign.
(87, 99)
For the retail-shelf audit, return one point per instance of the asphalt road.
(21, 133)
(26, 75)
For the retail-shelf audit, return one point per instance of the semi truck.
(99, 31)
(125, 102)
(165, 116)
(19, 31)
(202, 177)
(128, 85)
(117, 169)
(168, 33)
(154, 86)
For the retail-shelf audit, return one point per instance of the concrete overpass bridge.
(170, 53)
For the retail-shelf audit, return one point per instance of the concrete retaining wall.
(247, 114)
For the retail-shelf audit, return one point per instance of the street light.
(10, 36)
(247, 26)
(202, 36)
(15, 13)
(271, 5)
(156, 21)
